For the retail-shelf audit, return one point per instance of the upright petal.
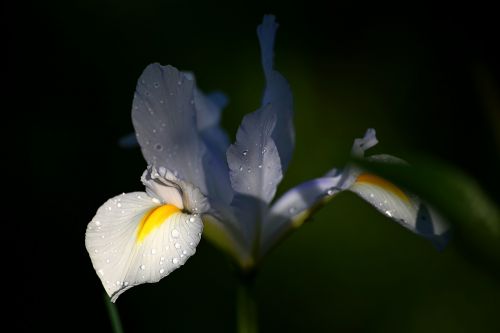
(255, 168)
(277, 93)
(164, 118)
(134, 239)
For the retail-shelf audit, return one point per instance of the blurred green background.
(423, 77)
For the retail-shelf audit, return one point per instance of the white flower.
(196, 178)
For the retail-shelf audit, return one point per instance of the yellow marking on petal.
(367, 178)
(153, 219)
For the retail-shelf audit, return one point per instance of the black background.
(418, 74)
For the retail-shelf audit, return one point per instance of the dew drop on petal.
(184, 252)
(142, 267)
(192, 219)
(96, 250)
(175, 233)
(156, 201)
(158, 147)
(260, 166)
(125, 283)
(156, 84)
(118, 204)
(241, 167)
(153, 251)
(249, 170)
(118, 283)
(175, 261)
(162, 271)
(372, 195)
(179, 82)
(162, 101)
(101, 272)
(177, 245)
(245, 152)
(97, 223)
(330, 192)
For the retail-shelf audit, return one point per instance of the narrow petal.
(164, 118)
(277, 93)
(294, 207)
(133, 239)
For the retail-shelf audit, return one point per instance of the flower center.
(153, 219)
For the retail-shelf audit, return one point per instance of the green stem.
(247, 305)
(114, 316)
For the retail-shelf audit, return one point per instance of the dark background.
(425, 77)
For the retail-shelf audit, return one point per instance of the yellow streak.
(366, 178)
(153, 219)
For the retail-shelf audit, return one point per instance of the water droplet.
(199, 234)
(154, 130)
(372, 195)
(118, 283)
(156, 84)
(175, 233)
(184, 252)
(139, 197)
(292, 210)
(118, 205)
(389, 213)
(162, 101)
(107, 261)
(96, 250)
(330, 192)
(125, 283)
(156, 201)
(241, 167)
(143, 267)
(101, 272)
(97, 223)
(162, 271)
(191, 244)
(158, 147)
(109, 208)
(102, 236)
(179, 82)
(182, 256)
(177, 245)
(249, 170)
(264, 151)
(153, 251)
(192, 219)
(123, 212)
(245, 152)
(260, 166)
(175, 261)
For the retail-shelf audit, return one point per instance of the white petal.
(123, 256)
(362, 144)
(402, 207)
(164, 118)
(277, 93)
(291, 210)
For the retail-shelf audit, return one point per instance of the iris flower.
(198, 183)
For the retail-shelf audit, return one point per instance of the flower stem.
(247, 304)
(114, 316)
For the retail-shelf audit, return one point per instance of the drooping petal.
(164, 118)
(294, 207)
(277, 93)
(403, 207)
(134, 239)
(255, 168)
